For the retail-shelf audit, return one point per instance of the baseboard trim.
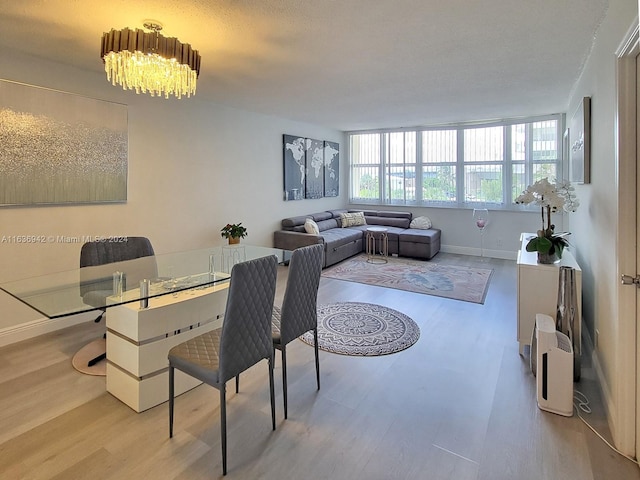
(607, 401)
(501, 254)
(25, 331)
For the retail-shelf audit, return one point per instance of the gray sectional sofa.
(341, 243)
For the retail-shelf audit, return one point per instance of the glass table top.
(94, 288)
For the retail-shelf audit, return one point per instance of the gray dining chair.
(298, 313)
(243, 340)
(99, 260)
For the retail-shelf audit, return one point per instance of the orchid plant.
(550, 198)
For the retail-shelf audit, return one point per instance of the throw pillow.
(421, 223)
(352, 219)
(311, 227)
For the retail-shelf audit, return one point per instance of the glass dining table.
(62, 294)
(151, 303)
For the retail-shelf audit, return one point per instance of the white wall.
(194, 166)
(594, 224)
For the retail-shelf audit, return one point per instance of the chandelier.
(147, 62)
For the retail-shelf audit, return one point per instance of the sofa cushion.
(389, 221)
(352, 219)
(406, 215)
(419, 243)
(311, 227)
(318, 217)
(340, 235)
(419, 236)
(421, 223)
(367, 213)
(328, 224)
(292, 222)
(336, 213)
(341, 243)
(394, 232)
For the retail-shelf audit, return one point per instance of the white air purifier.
(554, 358)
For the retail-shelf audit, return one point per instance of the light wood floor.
(459, 404)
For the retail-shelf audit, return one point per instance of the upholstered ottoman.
(419, 243)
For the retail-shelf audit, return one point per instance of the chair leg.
(315, 344)
(97, 359)
(283, 348)
(272, 393)
(102, 355)
(223, 426)
(171, 390)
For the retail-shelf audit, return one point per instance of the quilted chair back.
(246, 329)
(299, 306)
(98, 253)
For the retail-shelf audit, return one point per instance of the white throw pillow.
(311, 227)
(352, 219)
(421, 223)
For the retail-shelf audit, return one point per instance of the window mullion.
(528, 153)
(460, 167)
(383, 156)
(393, 166)
(419, 162)
(507, 166)
(560, 149)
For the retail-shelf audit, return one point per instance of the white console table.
(538, 290)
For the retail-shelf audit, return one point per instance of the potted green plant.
(234, 232)
(551, 198)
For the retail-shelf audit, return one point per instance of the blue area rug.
(458, 283)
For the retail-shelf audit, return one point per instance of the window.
(400, 170)
(455, 166)
(366, 161)
(439, 153)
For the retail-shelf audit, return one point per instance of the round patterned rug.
(352, 328)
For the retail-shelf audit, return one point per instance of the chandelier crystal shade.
(147, 62)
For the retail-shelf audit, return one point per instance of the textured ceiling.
(350, 64)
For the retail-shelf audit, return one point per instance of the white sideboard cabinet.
(538, 290)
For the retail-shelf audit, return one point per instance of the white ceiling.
(350, 64)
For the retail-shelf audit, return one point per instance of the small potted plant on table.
(234, 232)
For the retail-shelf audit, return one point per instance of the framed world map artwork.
(314, 159)
(294, 167)
(60, 148)
(311, 168)
(331, 169)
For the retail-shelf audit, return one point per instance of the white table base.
(139, 340)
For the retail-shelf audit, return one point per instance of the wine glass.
(481, 218)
